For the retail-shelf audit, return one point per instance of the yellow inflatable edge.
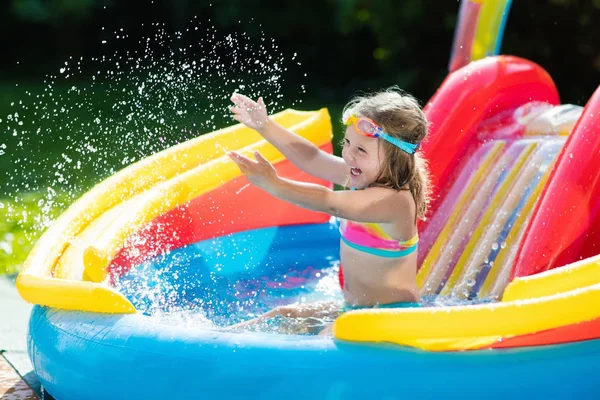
(559, 280)
(73, 295)
(468, 327)
(135, 179)
(36, 283)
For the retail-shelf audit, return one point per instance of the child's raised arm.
(376, 204)
(304, 154)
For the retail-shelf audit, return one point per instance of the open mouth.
(355, 171)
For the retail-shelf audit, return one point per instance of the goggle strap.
(401, 144)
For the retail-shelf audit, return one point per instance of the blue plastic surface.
(80, 355)
(90, 356)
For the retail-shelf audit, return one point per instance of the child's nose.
(348, 156)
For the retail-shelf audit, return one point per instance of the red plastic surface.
(564, 224)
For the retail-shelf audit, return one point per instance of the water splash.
(181, 285)
(92, 117)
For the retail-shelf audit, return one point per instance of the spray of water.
(92, 117)
(182, 284)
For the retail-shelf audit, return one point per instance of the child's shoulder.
(402, 198)
(387, 191)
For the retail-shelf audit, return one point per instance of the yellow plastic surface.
(468, 327)
(73, 295)
(559, 280)
(488, 27)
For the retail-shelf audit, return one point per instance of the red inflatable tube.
(468, 96)
(564, 334)
(465, 34)
(564, 224)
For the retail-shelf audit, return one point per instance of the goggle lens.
(366, 127)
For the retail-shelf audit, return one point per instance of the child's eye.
(362, 150)
(346, 141)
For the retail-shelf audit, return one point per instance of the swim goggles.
(369, 128)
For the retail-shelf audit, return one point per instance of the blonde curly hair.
(399, 115)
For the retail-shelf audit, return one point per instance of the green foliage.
(371, 44)
(21, 223)
(344, 45)
(52, 11)
(411, 38)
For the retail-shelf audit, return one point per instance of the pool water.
(223, 281)
(216, 283)
(175, 290)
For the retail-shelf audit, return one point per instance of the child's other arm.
(374, 204)
(379, 205)
(305, 155)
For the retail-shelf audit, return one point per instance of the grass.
(22, 221)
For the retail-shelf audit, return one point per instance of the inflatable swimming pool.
(134, 283)
(183, 231)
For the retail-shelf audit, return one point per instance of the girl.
(378, 218)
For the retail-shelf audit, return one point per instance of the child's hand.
(260, 172)
(248, 112)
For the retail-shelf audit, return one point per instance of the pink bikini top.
(371, 238)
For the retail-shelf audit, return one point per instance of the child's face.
(361, 153)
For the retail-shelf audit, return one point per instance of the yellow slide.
(56, 273)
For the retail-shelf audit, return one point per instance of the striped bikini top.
(370, 238)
